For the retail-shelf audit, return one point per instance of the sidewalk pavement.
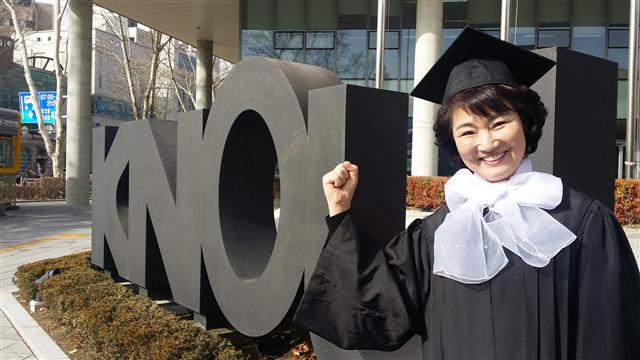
(32, 340)
(22, 240)
(35, 232)
(633, 234)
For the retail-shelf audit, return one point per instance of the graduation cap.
(476, 59)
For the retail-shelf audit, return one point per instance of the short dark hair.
(488, 101)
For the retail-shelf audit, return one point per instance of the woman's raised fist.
(339, 185)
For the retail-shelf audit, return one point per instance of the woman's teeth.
(494, 157)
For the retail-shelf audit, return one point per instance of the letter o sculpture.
(262, 114)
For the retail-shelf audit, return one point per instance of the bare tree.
(136, 72)
(181, 66)
(115, 25)
(158, 42)
(221, 68)
(183, 77)
(55, 151)
(125, 45)
(346, 60)
(168, 67)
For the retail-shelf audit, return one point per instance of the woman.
(514, 266)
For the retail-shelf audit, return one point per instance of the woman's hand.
(339, 186)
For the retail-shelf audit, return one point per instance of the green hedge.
(427, 193)
(114, 322)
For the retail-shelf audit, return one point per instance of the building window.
(589, 40)
(391, 40)
(288, 40)
(618, 38)
(49, 38)
(320, 40)
(491, 31)
(618, 47)
(524, 37)
(548, 37)
(352, 54)
(37, 39)
(448, 37)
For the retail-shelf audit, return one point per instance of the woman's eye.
(467, 133)
(499, 124)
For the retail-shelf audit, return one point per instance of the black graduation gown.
(584, 304)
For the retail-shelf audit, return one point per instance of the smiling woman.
(516, 265)
(494, 148)
(506, 110)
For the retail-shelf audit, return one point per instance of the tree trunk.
(48, 144)
(127, 68)
(156, 47)
(58, 158)
(173, 79)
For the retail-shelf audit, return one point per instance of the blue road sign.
(47, 106)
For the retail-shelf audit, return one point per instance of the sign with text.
(186, 207)
(47, 101)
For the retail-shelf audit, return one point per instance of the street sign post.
(47, 101)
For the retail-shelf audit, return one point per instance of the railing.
(28, 181)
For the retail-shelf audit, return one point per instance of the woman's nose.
(486, 141)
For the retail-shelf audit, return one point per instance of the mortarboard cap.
(476, 59)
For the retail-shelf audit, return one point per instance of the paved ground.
(39, 220)
(50, 229)
(634, 240)
(11, 344)
(36, 231)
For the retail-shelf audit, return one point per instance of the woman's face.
(490, 147)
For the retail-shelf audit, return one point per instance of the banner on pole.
(47, 101)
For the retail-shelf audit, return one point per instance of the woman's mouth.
(493, 159)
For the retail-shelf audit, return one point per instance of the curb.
(42, 346)
(40, 200)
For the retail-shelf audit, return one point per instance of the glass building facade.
(340, 35)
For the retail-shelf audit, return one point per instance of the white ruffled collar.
(469, 245)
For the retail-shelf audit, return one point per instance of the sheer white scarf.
(469, 244)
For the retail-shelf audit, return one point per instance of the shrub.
(45, 188)
(28, 273)
(425, 192)
(627, 201)
(113, 322)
